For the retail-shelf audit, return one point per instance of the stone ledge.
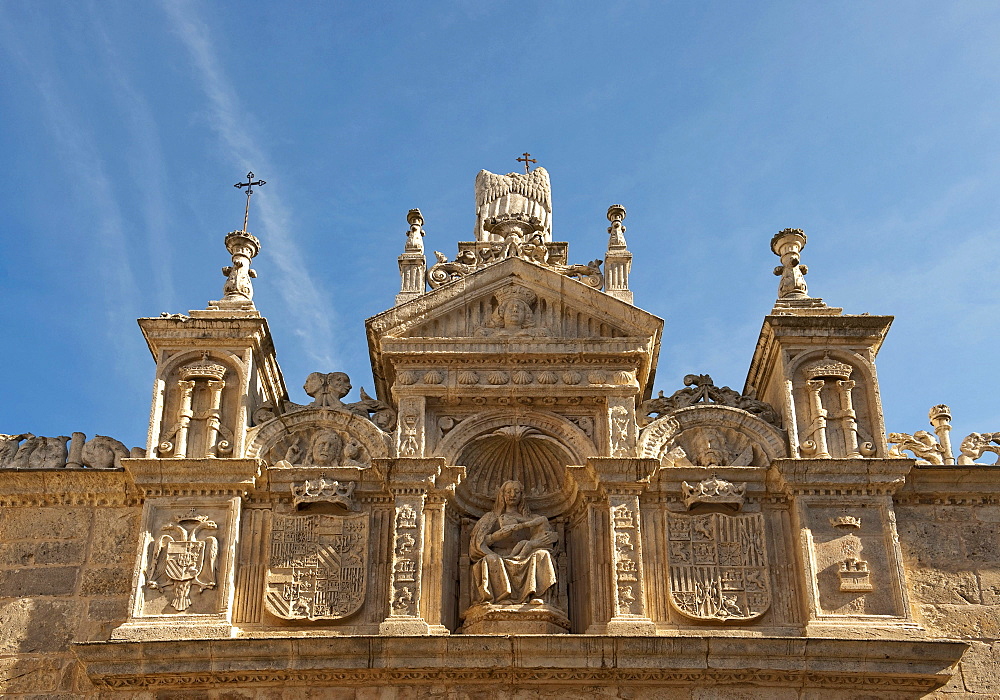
(65, 487)
(882, 665)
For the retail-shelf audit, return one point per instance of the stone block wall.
(952, 556)
(65, 572)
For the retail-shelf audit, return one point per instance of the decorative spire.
(243, 247)
(412, 265)
(618, 261)
(415, 236)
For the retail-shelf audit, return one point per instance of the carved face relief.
(326, 448)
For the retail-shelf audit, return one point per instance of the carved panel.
(718, 566)
(404, 594)
(318, 566)
(320, 437)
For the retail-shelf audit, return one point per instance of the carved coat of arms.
(718, 566)
(318, 566)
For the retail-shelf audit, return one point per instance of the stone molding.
(857, 476)
(66, 487)
(870, 665)
(195, 477)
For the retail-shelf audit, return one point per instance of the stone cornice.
(191, 477)
(76, 487)
(872, 665)
(951, 485)
(831, 476)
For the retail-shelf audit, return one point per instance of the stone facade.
(514, 514)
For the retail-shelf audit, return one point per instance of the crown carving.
(714, 491)
(828, 368)
(203, 370)
(846, 521)
(520, 293)
(323, 490)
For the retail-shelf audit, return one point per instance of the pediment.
(515, 300)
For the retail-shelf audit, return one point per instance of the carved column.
(184, 416)
(617, 583)
(212, 418)
(848, 418)
(410, 481)
(818, 424)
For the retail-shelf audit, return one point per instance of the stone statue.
(327, 390)
(415, 236)
(527, 194)
(42, 453)
(103, 452)
(9, 445)
(510, 550)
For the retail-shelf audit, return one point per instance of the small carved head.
(511, 495)
(513, 309)
(325, 448)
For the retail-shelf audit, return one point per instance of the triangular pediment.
(515, 300)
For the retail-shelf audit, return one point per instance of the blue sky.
(874, 126)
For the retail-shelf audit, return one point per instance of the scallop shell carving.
(546, 377)
(467, 377)
(433, 377)
(406, 378)
(623, 377)
(598, 376)
(521, 377)
(497, 377)
(572, 378)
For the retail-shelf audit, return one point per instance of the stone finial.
(616, 214)
(787, 245)
(415, 236)
(528, 194)
(940, 418)
(238, 290)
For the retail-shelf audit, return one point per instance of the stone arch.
(278, 434)
(532, 446)
(736, 426)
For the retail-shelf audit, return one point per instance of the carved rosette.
(718, 566)
(318, 566)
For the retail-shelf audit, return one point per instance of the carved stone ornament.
(511, 552)
(34, 452)
(718, 566)
(243, 247)
(415, 235)
(975, 445)
(319, 447)
(714, 491)
(182, 560)
(922, 444)
(514, 314)
(327, 390)
(472, 257)
(323, 490)
(318, 566)
(699, 388)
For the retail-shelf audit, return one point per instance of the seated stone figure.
(510, 550)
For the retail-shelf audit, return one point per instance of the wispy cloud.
(305, 303)
(88, 179)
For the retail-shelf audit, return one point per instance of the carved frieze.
(718, 566)
(405, 561)
(318, 566)
(714, 491)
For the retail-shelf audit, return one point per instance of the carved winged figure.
(529, 194)
(181, 560)
(922, 444)
(973, 447)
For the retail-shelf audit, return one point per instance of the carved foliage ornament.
(699, 388)
(323, 490)
(318, 566)
(182, 560)
(718, 566)
(714, 491)
(327, 390)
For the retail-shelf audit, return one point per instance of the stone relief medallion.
(718, 566)
(318, 566)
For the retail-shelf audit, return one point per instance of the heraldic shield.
(318, 567)
(718, 566)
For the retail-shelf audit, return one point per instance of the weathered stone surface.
(50, 523)
(37, 625)
(32, 552)
(29, 675)
(115, 533)
(106, 582)
(38, 581)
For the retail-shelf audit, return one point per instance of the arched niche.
(195, 387)
(701, 427)
(534, 447)
(864, 400)
(280, 437)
